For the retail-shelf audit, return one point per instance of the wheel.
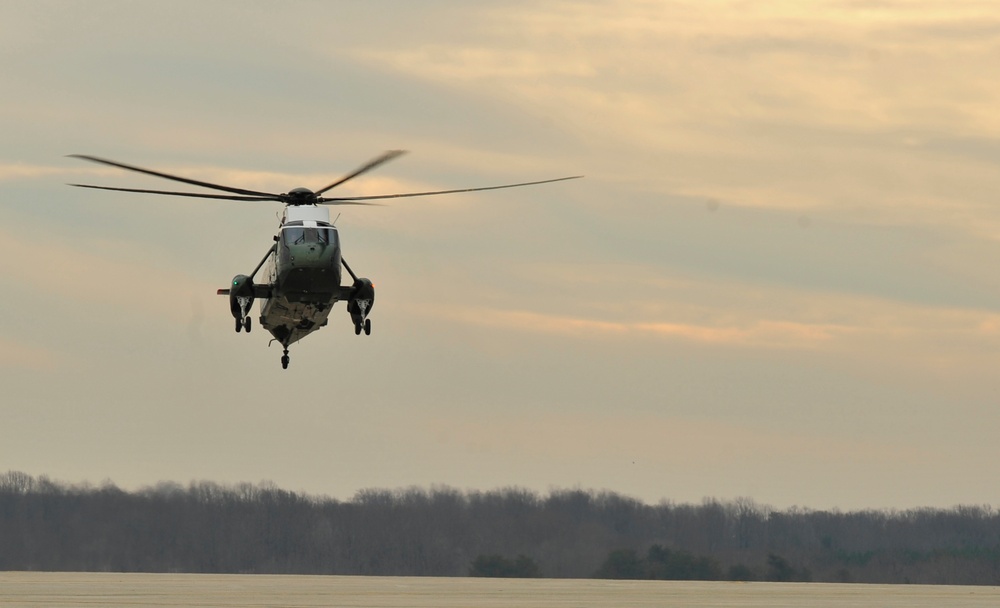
(368, 327)
(239, 325)
(284, 362)
(357, 329)
(247, 324)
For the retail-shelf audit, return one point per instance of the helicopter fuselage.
(304, 273)
(302, 276)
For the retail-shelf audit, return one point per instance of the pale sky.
(777, 281)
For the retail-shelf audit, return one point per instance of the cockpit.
(308, 233)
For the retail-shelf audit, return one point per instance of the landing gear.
(239, 325)
(247, 324)
(366, 326)
(284, 360)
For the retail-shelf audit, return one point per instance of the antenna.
(335, 220)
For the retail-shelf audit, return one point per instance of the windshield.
(326, 236)
(299, 235)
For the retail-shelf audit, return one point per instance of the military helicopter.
(302, 277)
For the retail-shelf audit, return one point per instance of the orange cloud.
(23, 356)
(826, 107)
(761, 333)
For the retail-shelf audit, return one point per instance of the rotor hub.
(301, 196)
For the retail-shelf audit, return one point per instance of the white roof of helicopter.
(314, 213)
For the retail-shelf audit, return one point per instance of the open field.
(24, 589)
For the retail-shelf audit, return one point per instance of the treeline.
(259, 528)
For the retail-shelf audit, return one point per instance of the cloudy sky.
(778, 279)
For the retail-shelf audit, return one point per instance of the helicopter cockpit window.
(302, 235)
(294, 235)
(327, 236)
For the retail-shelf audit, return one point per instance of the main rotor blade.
(190, 194)
(384, 158)
(175, 178)
(324, 200)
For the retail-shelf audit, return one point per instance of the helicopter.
(302, 268)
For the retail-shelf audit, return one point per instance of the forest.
(206, 527)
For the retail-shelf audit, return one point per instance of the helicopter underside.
(290, 321)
